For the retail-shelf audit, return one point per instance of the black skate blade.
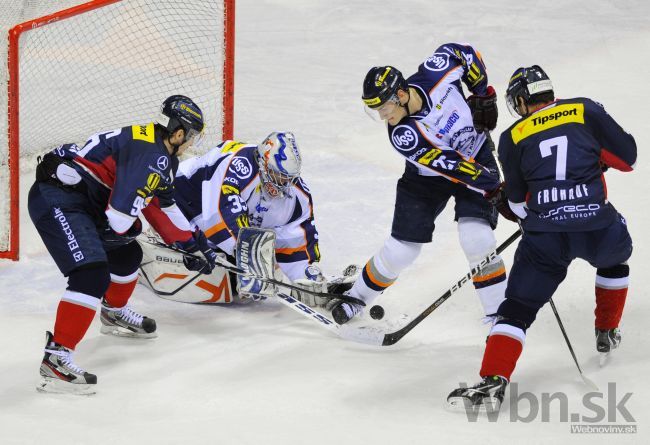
(464, 405)
(119, 331)
(56, 386)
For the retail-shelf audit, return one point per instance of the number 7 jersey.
(553, 164)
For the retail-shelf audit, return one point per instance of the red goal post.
(101, 65)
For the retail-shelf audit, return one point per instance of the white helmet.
(280, 162)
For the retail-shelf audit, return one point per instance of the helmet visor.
(512, 106)
(194, 136)
(384, 111)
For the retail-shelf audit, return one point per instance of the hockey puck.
(377, 312)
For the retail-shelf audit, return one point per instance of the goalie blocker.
(163, 272)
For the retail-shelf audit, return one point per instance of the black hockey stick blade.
(236, 270)
(394, 337)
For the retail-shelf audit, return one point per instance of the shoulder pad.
(144, 133)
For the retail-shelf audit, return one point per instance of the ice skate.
(485, 396)
(59, 373)
(606, 342)
(342, 312)
(124, 322)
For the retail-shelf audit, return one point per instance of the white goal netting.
(106, 68)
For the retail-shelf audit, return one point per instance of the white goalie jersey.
(221, 192)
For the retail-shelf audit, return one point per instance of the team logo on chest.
(241, 167)
(404, 138)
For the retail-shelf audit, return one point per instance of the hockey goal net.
(73, 68)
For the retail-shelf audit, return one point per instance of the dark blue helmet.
(181, 112)
(527, 83)
(381, 85)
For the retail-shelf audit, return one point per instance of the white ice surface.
(260, 374)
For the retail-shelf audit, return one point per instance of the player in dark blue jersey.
(444, 140)
(553, 161)
(86, 204)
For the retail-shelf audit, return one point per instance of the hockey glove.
(198, 243)
(499, 200)
(111, 237)
(484, 110)
(313, 281)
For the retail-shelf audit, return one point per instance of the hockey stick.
(236, 270)
(360, 335)
(587, 381)
(394, 337)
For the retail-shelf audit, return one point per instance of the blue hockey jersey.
(440, 139)
(123, 170)
(553, 161)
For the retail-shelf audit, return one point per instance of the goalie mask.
(279, 161)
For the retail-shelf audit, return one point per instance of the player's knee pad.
(91, 280)
(517, 314)
(395, 256)
(476, 238)
(125, 260)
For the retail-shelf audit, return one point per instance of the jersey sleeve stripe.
(444, 77)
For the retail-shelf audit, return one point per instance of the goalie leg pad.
(255, 254)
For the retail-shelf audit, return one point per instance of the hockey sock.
(490, 285)
(477, 241)
(120, 289)
(383, 269)
(502, 351)
(611, 292)
(73, 317)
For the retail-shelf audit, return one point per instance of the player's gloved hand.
(198, 243)
(499, 200)
(603, 167)
(313, 281)
(110, 236)
(484, 110)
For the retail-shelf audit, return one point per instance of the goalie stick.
(236, 270)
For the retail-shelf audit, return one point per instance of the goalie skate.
(486, 396)
(124, 322)
(60, 375)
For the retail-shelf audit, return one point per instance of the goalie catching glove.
(318, 283)
(313, 281)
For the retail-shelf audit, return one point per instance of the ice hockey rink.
(262, 374)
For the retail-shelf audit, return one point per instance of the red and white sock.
(502, 351)
(121, 289)
(73, 318)
(610, 301)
